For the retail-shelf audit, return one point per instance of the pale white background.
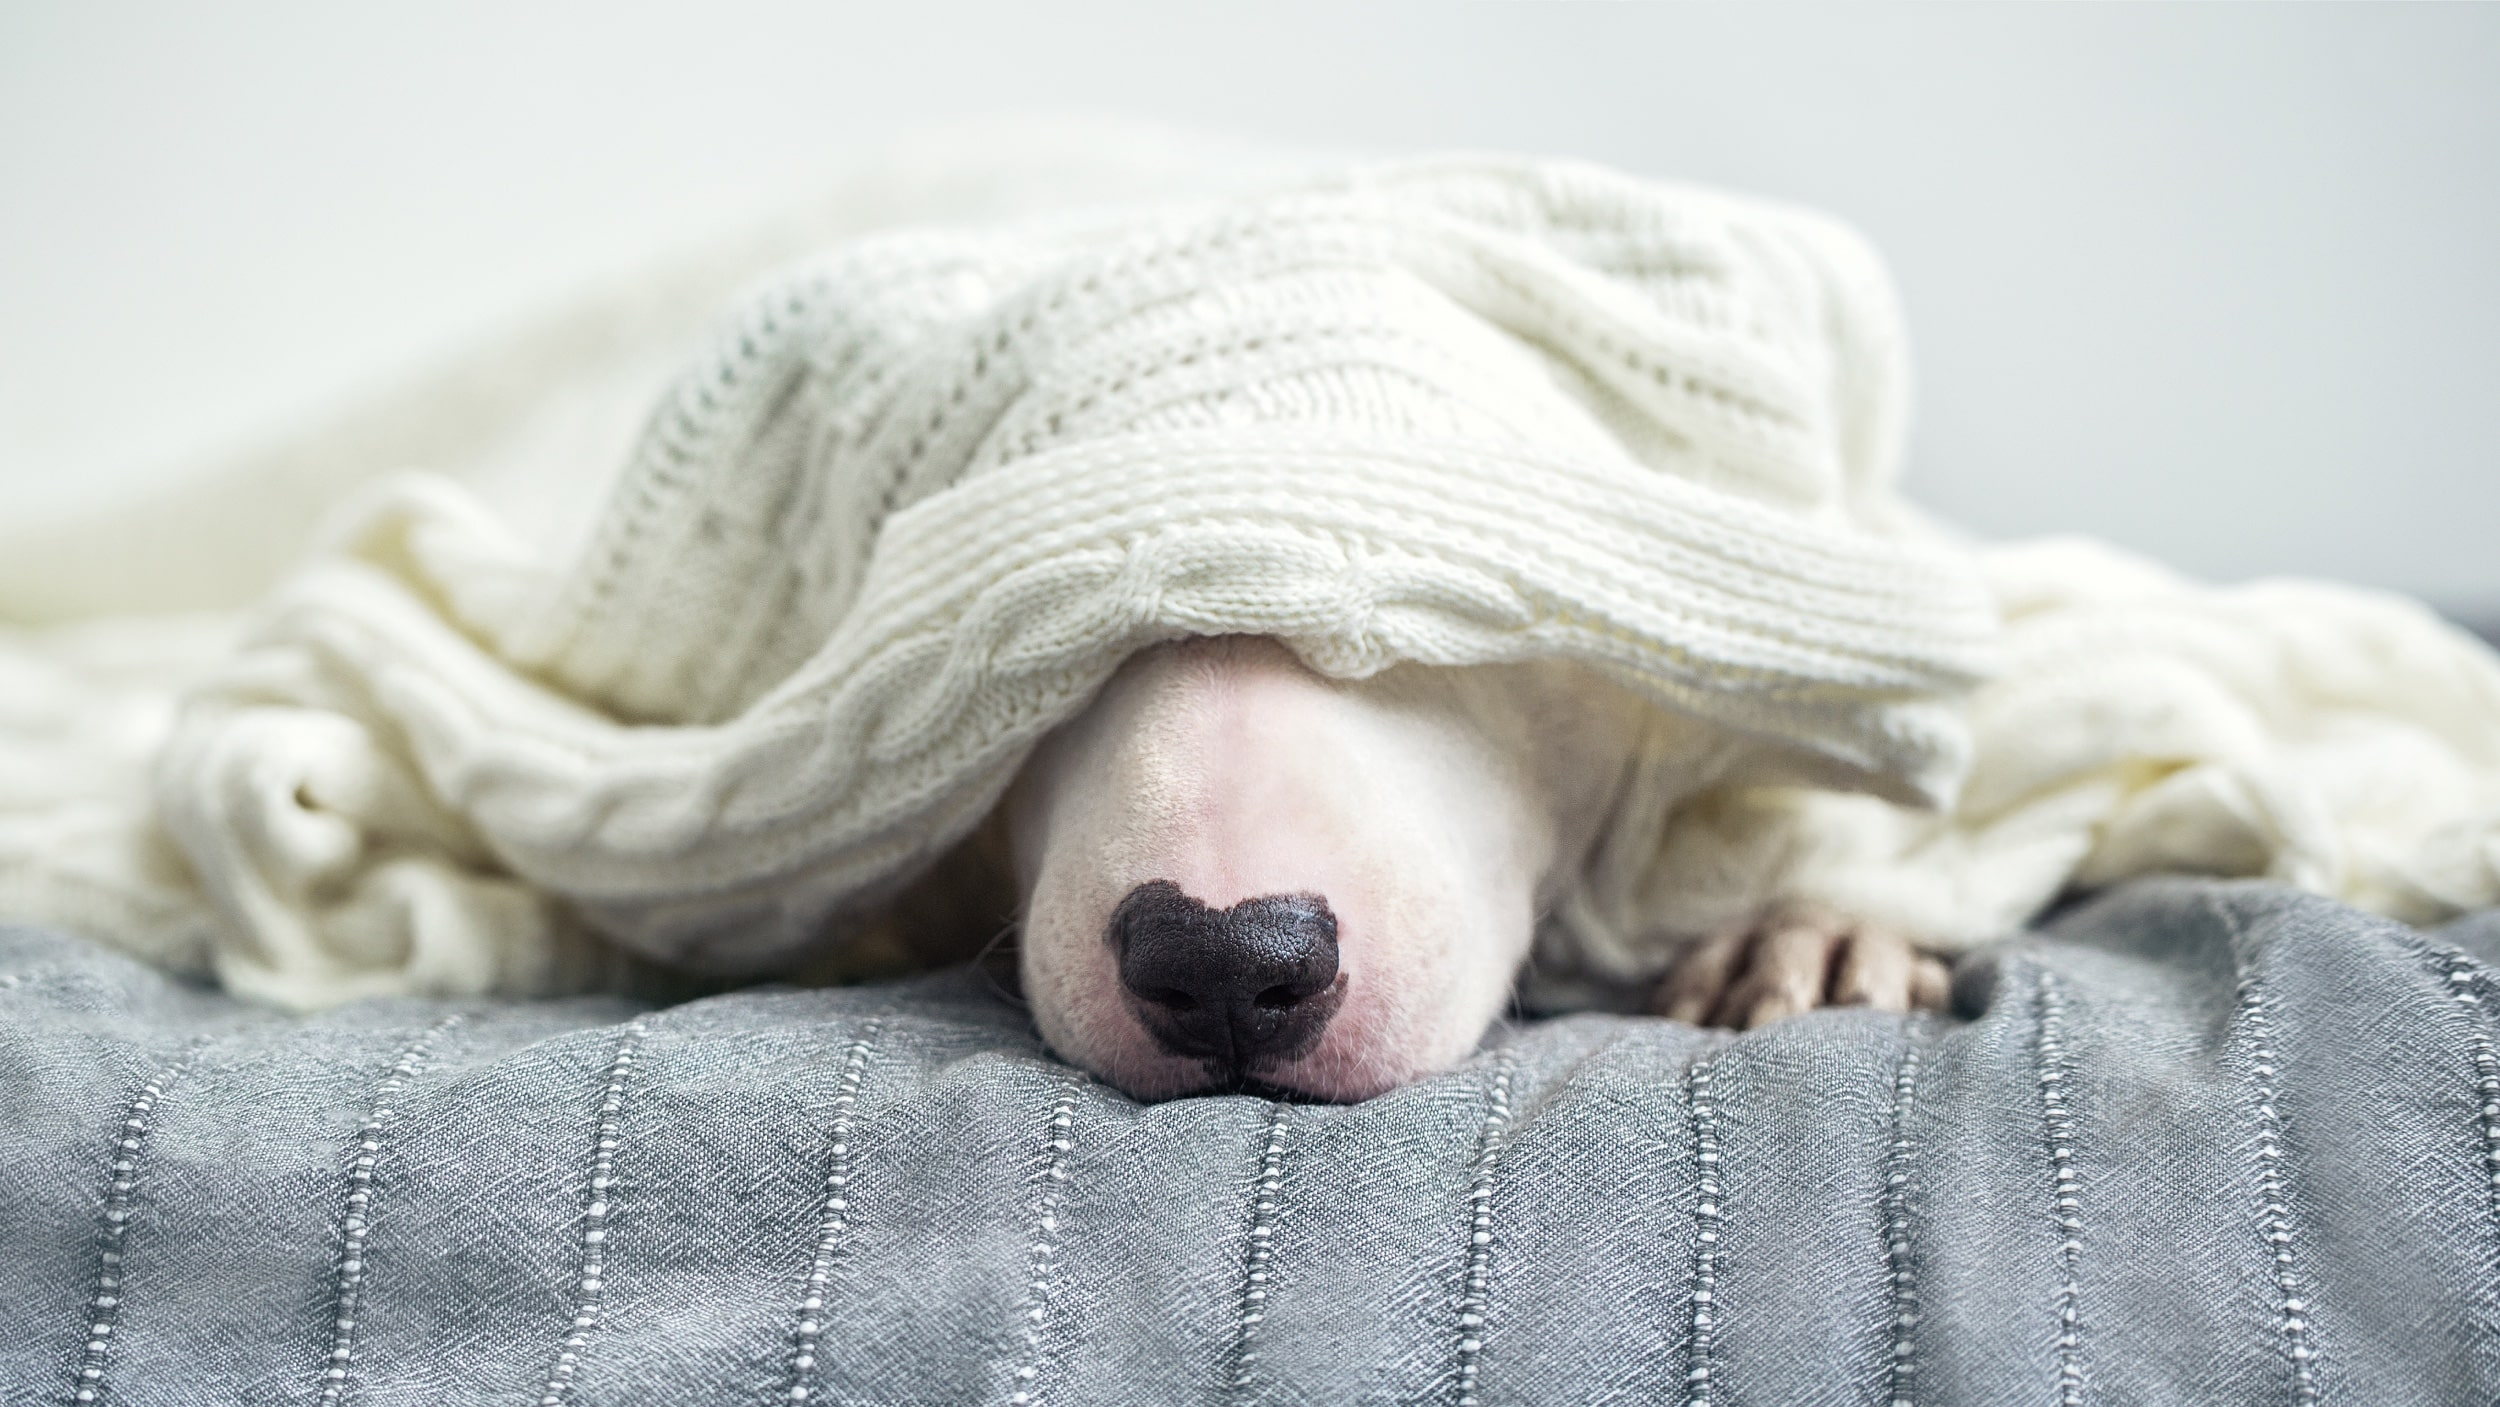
(2221, 283)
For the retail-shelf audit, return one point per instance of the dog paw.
(1796, 959)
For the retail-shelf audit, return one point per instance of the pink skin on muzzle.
(1430, 810)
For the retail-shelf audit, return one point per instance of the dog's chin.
(1375, 1043)
(1335, 1073)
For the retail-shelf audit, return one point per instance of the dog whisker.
(982, 962)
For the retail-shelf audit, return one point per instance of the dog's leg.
(1796, 959)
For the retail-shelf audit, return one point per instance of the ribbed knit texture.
(928, 492)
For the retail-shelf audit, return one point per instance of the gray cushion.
(2206, 1144)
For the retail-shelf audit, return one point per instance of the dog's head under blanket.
(929, 491)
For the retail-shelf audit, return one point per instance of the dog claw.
(1795, 960)
(1692, 990)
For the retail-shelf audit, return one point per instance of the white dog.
(1233, 871)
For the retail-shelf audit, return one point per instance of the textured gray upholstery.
(2207, 1144)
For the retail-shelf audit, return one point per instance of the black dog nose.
(1236, 987)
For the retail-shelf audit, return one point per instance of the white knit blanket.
(707, 692)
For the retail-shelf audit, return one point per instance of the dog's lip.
(1256, 1088)
(1215, 1081)
(1170, 1078)
(1280, 1082)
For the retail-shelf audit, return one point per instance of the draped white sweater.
(925, 491)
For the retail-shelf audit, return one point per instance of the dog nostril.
(1251, 983)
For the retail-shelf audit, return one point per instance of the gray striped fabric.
(2205, 1144)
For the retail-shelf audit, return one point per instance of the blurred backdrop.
(2218, 283)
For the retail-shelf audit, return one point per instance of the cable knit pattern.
(926, 491)
(2343, 741)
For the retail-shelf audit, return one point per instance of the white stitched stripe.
(1705, 1230)
(2274, 1213)
(1042, 1254)
(2465, 986)
(1476, 1296)
(2057, 1120)
(1260, 1250)
(348, 1277)
(591, 1288)
(1899, 1160)
(104, 1308)
(833, 1218)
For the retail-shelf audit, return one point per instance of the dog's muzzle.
(1241, 989)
